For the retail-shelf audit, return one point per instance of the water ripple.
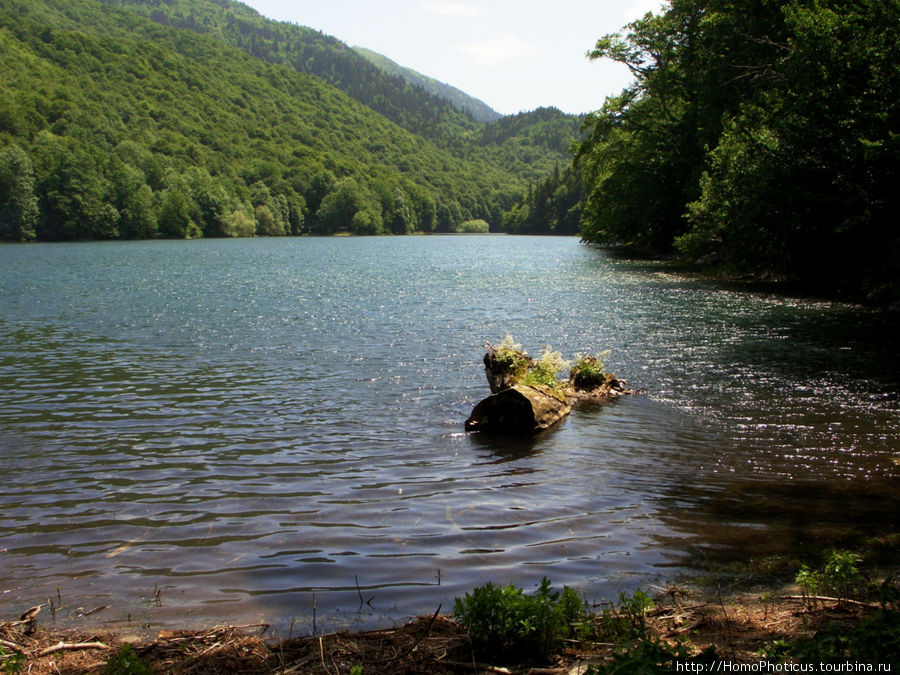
(231, 426)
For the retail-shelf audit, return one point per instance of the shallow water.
(241, 430)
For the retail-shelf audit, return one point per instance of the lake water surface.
(236, 431)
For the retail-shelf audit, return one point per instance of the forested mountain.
(525, 153)
(550, 206)
(763, 136)
(115, 124)
(478, 110)
(310, 51)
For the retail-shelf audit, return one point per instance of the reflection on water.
(233, 426)
(754, 525)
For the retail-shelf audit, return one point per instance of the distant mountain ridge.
(477, 108)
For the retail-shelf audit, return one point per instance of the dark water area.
(235, 431)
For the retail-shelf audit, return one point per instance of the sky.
(515, 55)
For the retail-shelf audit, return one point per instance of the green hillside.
(411, 107)
(310, 51)
(115, 125)
(479, 110)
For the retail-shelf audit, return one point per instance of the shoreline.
(740, 628)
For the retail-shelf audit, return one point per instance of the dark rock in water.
(519, 409)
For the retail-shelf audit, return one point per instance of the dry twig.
(825, 598)
(65, 646)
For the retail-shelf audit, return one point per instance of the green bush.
(503, 621)
(126, 662)
(874, 640)
(840, 577)
(651, 656)
(13, 662)
(476, 226)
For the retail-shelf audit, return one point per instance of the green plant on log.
(510, 359)
(544, 371)
(589, 372)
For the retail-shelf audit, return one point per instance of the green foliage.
(349, 207)
(840, 577)
(510, 360)
(533, 143)
(588, 372)
(544, 371)
(550, 206)
(478, 110)
(651, 655)
(477, 226)
(14, 662)
(876, 639)
(517, 367)
(504, 621)
(126, 662)
(762, 136)
(625, 621)
(636, 652)
(18, 205)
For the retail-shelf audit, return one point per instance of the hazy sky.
(514, 55)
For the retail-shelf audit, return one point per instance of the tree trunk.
(520, 409)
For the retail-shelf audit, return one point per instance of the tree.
(210, 202)
(402, 218)
(827, 128)
(133, 199)
(175, 220)
(18, 204)
(550, 206)
(340, 206)
(76, 200)
(423, 205)
(763, 135)
(448, 216)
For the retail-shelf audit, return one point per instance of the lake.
(210, 431)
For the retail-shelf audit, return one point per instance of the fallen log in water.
(515, 407)
(519, 409)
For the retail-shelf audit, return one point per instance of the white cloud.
(635, 9)
(500, 49)
(460, 9)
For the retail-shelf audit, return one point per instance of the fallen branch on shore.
(826, 598)
(71, 646)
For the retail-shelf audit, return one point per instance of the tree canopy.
(762, 135)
